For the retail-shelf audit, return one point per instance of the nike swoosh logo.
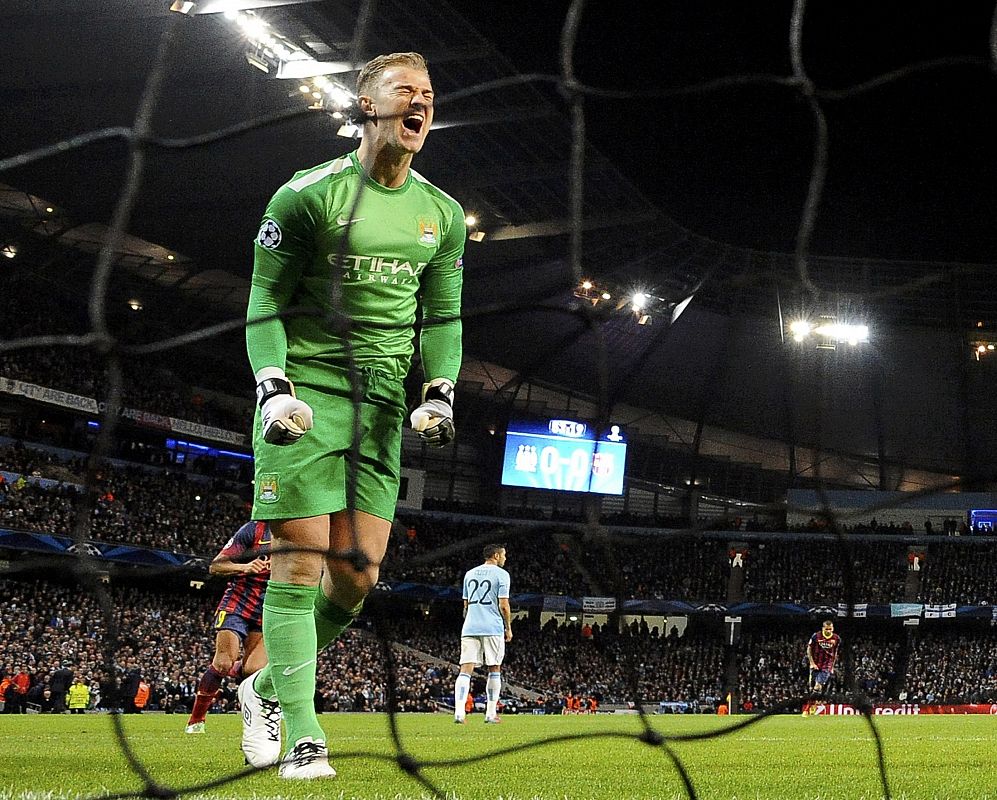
(343, 222)
(291, 670)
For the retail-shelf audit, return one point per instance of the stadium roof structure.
(504, 152)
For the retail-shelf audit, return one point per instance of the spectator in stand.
(142, 693)
(59, 683)
(22, 682)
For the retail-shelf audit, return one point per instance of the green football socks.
(331, 620)
(289, 635)
(298, 623)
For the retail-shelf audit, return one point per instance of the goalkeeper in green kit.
(402, 241)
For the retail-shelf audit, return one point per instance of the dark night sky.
(911, 164)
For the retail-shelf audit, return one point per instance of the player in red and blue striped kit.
(238, 620)
(822, 653)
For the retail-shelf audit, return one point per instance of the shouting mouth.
(414, 123)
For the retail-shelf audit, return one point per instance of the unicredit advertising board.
(897, 709)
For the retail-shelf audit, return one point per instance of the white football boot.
(306, 760)
(260, 726)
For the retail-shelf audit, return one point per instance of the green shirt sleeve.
(282, 249)
(442, 280)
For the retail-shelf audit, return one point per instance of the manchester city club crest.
(429, 233)
(268, 488)
(269, 235)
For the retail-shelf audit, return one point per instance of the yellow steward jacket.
(78, 695)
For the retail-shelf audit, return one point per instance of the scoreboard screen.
(565, 455)
(983, 520)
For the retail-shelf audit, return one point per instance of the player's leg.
(493, 690)
(254, 656)
(808, 703)
(494, 647)
(289, 625)
(363, 529)
(470, 656)
(344, 587)
(227, 645)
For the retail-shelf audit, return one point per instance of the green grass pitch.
(820, 758)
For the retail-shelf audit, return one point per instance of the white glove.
(433, 419)
(285, 419)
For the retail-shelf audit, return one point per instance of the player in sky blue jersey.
(487, 627)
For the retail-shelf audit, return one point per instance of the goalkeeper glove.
(285, 419)
(433, 420)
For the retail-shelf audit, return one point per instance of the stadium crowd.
(183, 513)
(164, 641)
(152, 383)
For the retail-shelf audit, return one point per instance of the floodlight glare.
(843, 332)
(800, 329)
(470, 220)
(638, 300)
(586, 285)
(338, 94)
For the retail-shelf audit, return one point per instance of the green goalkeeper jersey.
(401, 243)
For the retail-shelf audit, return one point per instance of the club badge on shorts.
(268, 488)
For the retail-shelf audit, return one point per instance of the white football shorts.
(482, 650)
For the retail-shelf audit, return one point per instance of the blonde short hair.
(371, 72)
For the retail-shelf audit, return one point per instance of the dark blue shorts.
(819, 679)
(240, 626)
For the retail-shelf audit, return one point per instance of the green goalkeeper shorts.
(312, 476)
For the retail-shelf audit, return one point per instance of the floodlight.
(299, 68)
(800, 329)
(586, 285)
(606, 296)
(843, 332)
(470, 220)
(340, 96)
(638, 300)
